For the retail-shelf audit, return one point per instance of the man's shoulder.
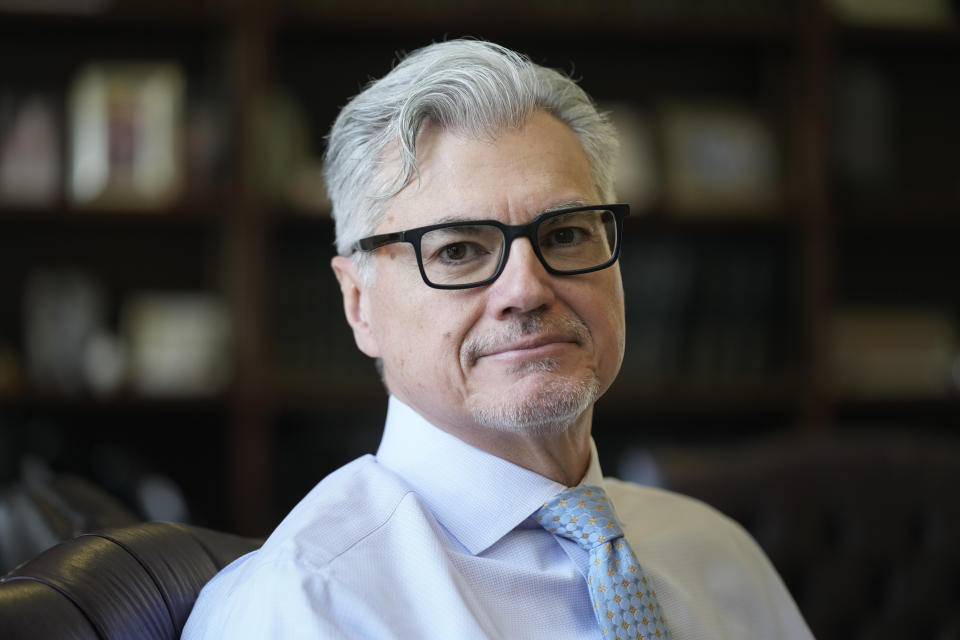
(686, 544)
(342, 509)
(271, 592)
(675, 524)
(662, 508)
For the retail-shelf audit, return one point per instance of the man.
(472, 192)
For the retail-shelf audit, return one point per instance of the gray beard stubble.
(557, 404)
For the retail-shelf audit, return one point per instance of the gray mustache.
(522, 326)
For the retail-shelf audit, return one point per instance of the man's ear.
(355, 304)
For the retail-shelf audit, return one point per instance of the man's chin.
(536, 402)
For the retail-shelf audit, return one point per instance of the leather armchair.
(138, 582)
(45, 509)
(863, 525)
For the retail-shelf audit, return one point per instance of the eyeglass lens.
(466, 254)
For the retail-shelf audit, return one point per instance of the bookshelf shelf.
(196, 213)
(931, 38)
(651, 219)
(917, 211)
(745, 398)
(775, 220)
(45, 402)
(162, 17)
(550, 20)
(907, 220)
(936, 412)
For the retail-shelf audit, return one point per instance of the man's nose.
(524, 285)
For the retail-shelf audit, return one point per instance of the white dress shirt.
(433, 538)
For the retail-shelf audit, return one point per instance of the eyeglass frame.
(510, 233)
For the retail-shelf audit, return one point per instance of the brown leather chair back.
(863, 526)
(139, 581)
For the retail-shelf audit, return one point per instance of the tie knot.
(582, 514)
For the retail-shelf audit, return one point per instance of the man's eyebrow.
(456, 218)
(569, 204)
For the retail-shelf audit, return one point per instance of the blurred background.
(171, 333)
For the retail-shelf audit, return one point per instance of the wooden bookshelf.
(293, 364)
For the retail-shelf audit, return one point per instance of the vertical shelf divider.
(816, 235)
(250, 446)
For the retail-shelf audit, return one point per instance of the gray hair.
(471, 87)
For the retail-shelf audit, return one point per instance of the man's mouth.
(528, 337)
(531, 346)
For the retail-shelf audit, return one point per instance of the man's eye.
(457, 251)
(566, 236)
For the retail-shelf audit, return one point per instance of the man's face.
(527, 353)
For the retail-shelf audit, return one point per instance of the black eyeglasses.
(472, 253)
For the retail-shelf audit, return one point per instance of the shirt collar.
(447, 473)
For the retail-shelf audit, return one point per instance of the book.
(126, 121)
(893, 353)
(718, 159)
(30, 173)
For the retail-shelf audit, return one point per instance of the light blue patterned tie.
(623, 599)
